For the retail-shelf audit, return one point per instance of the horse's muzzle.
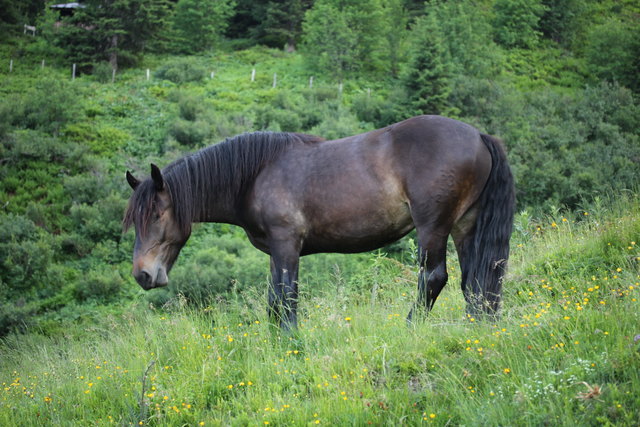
(147, 281)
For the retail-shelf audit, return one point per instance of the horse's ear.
(132, 180)
(156, 175)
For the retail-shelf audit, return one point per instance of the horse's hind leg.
(433, 269)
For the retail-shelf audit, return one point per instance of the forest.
(107, 86)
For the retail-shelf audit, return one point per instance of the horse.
(296, 194)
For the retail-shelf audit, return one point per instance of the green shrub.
(49, 106)
(101, 220)
(181, 70)
(25, 255)
(191, 134)
(102, 72)
(612, 52)
(102, 284)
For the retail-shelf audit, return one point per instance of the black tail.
(485, 257)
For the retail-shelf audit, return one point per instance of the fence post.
(310, 82)
(42, 66)
(340, 88)
(11, 66)
(275, 80)
(113, 76)
(212, 75)
(148, 74)
(73, 72)
(253, 75)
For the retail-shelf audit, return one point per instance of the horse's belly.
(359, 230)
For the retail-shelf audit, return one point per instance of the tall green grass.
(563, 352)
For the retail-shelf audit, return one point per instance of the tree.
(328, 39)
(426, 79)
(517, 22)
(199, 24)
(396, 19)
(113, 30)
(282, 25)
(345, 36)
(466, 35)
(613, 53)
(562, 20)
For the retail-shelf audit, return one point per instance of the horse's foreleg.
(283, 291)
(274, 294)
(432, 276)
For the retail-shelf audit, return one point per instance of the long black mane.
(196, 181)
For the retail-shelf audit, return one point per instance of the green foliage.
(464, 31)
(517, 22)
(340, 38)
(613, 52)
(103, 72)
(48, 106)
(181, 70)
(25, 255)
(103, 284)
(119, 30)
(563, 21)
(198, 25)
(328, 39)
(282, 25)
(426, 79)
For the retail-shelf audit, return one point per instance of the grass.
(566, 350)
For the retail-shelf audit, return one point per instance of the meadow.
(82, 344)
(566, 350)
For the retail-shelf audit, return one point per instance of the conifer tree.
(426, 79)
(113, 30)
(199, 24)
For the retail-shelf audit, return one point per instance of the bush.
(49, 106)
(103, 284)
(100, 221)
(191, 134)
(613, 52)
(103, 72)
(25, 255)
(181, 70)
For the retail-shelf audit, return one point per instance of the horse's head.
(159, 237)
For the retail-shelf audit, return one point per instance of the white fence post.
(310, 82)
(212, 75)
(73, 72)
(253, 75)
(340, 88)
(42, 66)
(11, 66)
(113, 75)
(275, 80)
(148, 74)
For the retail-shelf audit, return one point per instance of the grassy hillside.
(566, 350)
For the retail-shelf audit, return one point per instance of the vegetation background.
(557, 80)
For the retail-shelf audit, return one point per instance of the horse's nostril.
(144, 279)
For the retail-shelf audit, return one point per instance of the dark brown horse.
(297, 194)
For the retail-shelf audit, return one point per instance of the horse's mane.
(196, 181)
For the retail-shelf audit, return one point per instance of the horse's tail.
(485, 261)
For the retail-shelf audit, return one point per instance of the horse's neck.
(217, 208)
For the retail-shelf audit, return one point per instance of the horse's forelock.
(140, 208)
